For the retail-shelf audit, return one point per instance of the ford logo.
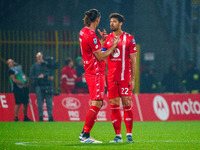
(71, 103)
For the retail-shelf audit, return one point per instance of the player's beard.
(114, 28)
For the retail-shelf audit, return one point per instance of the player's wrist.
(133, 78)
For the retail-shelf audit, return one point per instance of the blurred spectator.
(19, 86)
(149, 84)
(171, 80)
(81, 86)
(68, 77)
(191, 78)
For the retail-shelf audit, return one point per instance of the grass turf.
(64, 135)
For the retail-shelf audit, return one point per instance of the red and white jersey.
(68, 78)
(119, 63)
(90, 43)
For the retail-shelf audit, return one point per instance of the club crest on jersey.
(116, 53)
(95, 41)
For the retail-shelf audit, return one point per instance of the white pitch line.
(167, 141)
(27, 143)
(138, 105)
(31, 107)
(35, 143)
(38, 143)
(23, 143)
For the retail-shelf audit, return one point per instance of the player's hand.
(116, 41)
(132, 84)
(103, 34)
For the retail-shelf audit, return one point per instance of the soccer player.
(120, 76)
(94, 66)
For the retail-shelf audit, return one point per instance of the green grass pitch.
(64, 135)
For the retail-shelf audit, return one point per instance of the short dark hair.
(118, 16)
(68, 60)
(90, 16)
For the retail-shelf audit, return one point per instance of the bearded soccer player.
(94, 66)
(120, 76)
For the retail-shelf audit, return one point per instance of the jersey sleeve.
(105, 46)
(132, 45)
(94, 43)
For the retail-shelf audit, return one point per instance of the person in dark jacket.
(149, 84)
(81, 86)
(43, 86)
(171, 80)
(191, 78)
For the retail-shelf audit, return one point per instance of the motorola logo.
(161, 108)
